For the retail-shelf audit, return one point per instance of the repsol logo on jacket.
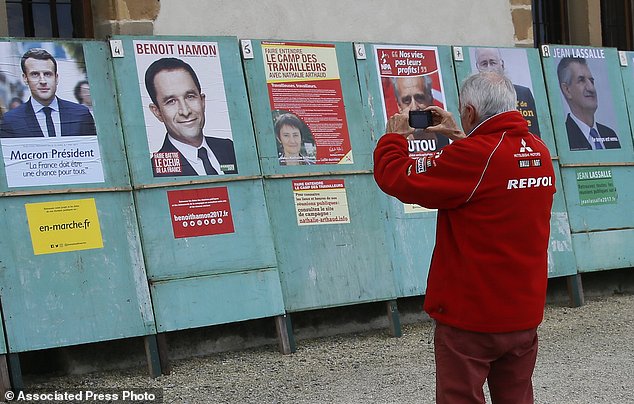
(529, 182)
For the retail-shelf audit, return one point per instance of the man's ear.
(156, 112)
(25, 80)
(565, 90)
(471, 115)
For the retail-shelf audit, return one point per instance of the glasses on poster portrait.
(490, 64)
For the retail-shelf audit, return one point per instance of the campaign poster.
(586, 98)
(185, 108)
(513, 63)
(596, 186)
(320, 202)
(200, 212)
(47, 130)
(411, 80)
(308, 113)
(62, 226)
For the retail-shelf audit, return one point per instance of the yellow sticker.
(62, 226)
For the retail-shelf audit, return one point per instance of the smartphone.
(420, 119)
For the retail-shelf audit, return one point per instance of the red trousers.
(465, 360)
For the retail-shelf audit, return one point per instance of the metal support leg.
(152, 354)
(394, 318)
(163, 351)
(575, 290)
(5, 379)
(15, 371)
(285, 336)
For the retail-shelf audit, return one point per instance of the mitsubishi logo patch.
(524, 148)
(526, 154)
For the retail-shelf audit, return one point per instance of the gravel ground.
(586, 356)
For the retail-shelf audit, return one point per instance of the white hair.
(489, 93)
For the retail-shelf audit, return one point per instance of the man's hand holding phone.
(406, 124)
(399, 123)
(432, 119)
(444, 123)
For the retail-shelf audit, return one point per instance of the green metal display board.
(523, 67)
(316, 154)
(216, 64)
(90, 153)
(72, 267)
(317, 84)
(203, 220)
(72, 271)
(397, 78)
(594, 97)
(561, 251)
(217, 274)
(599, 200)
(587, 102)
(333, 263)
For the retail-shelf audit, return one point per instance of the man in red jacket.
(493, 188)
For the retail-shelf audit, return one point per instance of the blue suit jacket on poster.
(577, 141)
(222, 149)
(75, 120)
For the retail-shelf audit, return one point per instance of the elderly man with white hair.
(493, 187)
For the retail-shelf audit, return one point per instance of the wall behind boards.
(455, 22)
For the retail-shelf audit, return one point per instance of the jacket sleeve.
(444, 180)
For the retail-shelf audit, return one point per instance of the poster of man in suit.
(411, 80)
(514, 64)
(586, 99)
(185, 108)
(47, 138)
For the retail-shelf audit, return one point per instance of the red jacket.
(494, 192)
